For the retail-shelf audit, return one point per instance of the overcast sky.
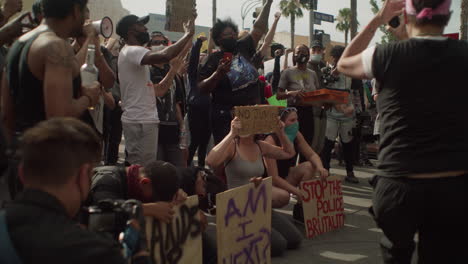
(232, 8)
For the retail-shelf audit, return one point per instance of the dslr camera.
(327, 76)
(111, 216)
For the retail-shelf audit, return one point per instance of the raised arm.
(90, 34)
(161, 88)
(261, 25)
(194, 61)
(167, 54)
(286, 57)
(106, 74)
(270, 35)
(225, 149)
(211, 44)
(276, 72)
(351, 63)
(286, 150)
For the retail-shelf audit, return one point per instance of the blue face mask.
(291, 131)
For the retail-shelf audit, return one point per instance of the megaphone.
(105, 27)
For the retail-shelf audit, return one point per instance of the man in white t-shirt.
(140, 117)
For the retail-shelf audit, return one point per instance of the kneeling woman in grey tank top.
(242, 158)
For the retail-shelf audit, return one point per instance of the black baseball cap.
(317, 44)
(127, 21)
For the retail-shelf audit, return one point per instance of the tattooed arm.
(58, 82)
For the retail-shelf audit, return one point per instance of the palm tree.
(214, 12)
(292, 9)
(464, 20)
(344, 22)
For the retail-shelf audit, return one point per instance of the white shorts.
(336, 128)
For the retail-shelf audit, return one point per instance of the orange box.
(326, 96)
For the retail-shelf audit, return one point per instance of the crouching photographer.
(58, 157)
(157, 186)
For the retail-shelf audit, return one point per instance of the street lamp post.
(247, 7)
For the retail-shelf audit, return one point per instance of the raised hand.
(189, 27)
(256, 181)
(280, 126)
(15, 27)
(88, 29)
(236, 126)
(391, 9)
(277, 15)
(224, 66)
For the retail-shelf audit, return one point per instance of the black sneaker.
(351, 178)
(298, 213)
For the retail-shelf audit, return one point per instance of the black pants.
(347, 154)
(14, 184)
(433, 208)
(200, 132)
(221, 122)
(305, 116)
(112, 135)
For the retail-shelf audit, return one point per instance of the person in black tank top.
(286, 175)
(423, 168)
(42, 76)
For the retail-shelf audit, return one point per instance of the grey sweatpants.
(141, 142)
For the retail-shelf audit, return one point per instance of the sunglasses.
(160, 42)
(287, 110)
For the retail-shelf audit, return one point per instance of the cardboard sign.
(257, 119)
(179, 241)
(323, 205)
(243, 224)
(178, 12)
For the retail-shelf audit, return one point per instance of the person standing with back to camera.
(423, 170)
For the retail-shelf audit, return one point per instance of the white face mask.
(316, 58)
(158, 48)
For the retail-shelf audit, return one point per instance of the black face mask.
(301, 59)
(143, 37)
(228, 45)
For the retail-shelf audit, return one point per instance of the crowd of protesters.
(60, 137)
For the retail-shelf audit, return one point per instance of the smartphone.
(227, 56)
